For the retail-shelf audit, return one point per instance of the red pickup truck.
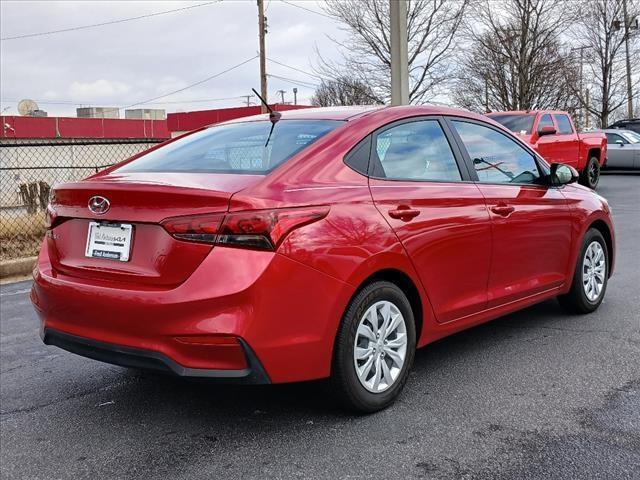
(553, 135)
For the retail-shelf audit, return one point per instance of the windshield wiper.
(273, 116)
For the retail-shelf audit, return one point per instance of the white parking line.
(17, 292)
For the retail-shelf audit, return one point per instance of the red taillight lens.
(195, 228)
(256, 229)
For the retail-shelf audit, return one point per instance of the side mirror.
(562, 174)
(547, 130)
(620, 142)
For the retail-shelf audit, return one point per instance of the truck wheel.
(591, 173)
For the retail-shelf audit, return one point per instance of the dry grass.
(21, 235)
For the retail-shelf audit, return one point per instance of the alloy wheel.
(593, 271)
(380, 346)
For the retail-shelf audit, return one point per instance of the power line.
(71, 102)
(317, 77)
(200, 82)
(293, 81)
(308, 9)
(83, 27)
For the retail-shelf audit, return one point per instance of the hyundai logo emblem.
(99, 205)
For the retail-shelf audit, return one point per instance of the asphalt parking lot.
(536, 394)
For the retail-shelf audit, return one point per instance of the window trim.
(457, 154)
(467, 158)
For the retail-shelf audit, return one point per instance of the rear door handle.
(503, 210)
(404, 213)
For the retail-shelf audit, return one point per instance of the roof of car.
(320, 113)
(353, 112)
(525, 112)
(613, 130)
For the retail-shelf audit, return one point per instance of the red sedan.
(326, 243)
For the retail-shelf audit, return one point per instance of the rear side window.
(415, 151)
(522, 124)
(564, 124)
(234, 148)
(496, 157)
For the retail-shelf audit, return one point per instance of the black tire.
(344, 382)
(590, 176)
(576, 301)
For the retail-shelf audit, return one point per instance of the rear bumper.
(254, 374)
(283, 311)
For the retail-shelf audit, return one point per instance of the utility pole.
(295, 96)
(282, 92)
(486, 96)
(580, 81)
(248, 99)
(399, 54)
(586, 120)
(627, 28)
(262, 25)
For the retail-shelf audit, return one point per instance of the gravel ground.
(536, 394)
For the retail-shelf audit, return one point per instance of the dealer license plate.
(109, 240)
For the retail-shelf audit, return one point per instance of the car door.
(546, 144)
(567, 145)
(420, 184)
(618, 153)
(531, 222)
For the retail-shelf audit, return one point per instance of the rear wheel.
(374, 348)
(591, 174)
(591, 275)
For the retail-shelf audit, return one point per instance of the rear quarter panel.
(592, 141)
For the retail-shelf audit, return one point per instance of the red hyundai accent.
(325, 243)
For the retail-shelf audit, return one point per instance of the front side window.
(234, 148)
(612, 138)
(564, 124)
(415, 151)
(496, 157)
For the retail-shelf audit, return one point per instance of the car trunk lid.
(141, 200)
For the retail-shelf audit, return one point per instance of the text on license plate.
(109, 240)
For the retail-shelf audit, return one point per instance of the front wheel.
(374, 348)
(591, 174)
(591, 275)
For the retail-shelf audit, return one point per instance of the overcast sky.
(130, 62)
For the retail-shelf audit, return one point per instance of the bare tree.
(600, 30)
(432, 27)
(515, 59)
(343, 91)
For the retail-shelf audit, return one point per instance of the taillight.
(50, 216)
(196, 228)
(255, 229)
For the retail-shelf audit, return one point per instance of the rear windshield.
(234, 148)
(522, 124)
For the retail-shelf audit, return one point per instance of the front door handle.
(404, 213)
(502, 209)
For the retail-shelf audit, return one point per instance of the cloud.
(99, 89)
(125, 63)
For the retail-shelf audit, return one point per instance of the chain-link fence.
(28, 170)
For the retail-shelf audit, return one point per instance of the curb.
(17, 268)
